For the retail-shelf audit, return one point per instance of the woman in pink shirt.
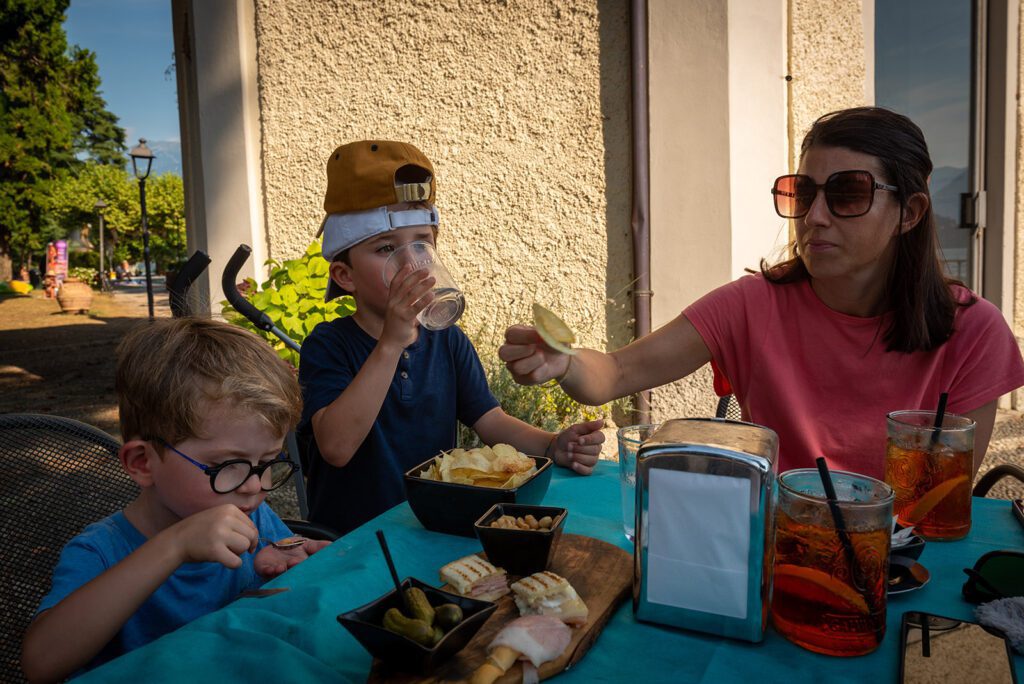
(861, 320)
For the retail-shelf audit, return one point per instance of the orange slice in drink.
(932, 498)
(553, 330)
(820, 587)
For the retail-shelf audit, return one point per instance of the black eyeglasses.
(848, 194)
(230, 475)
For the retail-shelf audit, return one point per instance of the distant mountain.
(168, 157)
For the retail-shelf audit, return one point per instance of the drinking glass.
(448, 303)
(930, 470)
(829, 583)
(630, 439)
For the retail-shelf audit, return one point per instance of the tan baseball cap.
(363, 179)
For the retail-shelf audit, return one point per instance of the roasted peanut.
(527, 522)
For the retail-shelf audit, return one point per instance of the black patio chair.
(728, 408)
(989, 479)
(59, 475)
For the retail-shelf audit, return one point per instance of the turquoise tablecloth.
(294, 636)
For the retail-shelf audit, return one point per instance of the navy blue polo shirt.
(439, 381)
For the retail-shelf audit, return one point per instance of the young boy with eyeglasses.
(204, 409)
(383, 394)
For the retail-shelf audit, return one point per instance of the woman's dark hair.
(917, 292)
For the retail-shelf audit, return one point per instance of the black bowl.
(403, 653)
(911, 550)
(520, 552)
(453, 508)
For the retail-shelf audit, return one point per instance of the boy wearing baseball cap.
(382, 394)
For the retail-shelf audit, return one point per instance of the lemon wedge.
(553, 330)
(817, 586)
(933, 498)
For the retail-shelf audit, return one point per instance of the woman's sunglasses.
(848, 194)
(996, 575)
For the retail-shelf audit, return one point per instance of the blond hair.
(170, 370)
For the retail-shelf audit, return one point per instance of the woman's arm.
(984, 420)
(592, 377)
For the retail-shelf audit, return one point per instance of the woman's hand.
(579, 446)
(271, 562)
(528, 359)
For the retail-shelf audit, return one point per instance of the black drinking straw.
(844, 537)
(940, 413)
(391, 567)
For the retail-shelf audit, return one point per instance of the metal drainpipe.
(639, 220)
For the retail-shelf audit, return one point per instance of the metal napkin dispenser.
(705, 526)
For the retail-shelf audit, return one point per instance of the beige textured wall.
(523, 107)
(826, 61)
(1018, 322)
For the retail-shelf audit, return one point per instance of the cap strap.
(342, 231)
(413, 192)
(412, 217)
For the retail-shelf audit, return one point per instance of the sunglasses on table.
(230, 475)
(848, 194)
(996, 575)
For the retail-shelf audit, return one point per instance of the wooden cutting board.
(602, 575)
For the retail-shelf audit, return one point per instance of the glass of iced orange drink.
(930, 470)
(828, 582)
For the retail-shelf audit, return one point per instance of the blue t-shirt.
(194, 589)
(439, 381)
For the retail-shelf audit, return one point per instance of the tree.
(72, 199)
(52, 118)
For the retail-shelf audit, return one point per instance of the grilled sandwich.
(545, 593)
(474, 577)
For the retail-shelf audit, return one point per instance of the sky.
(134, 48)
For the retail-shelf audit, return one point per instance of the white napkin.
(902, 536)
(1007, 615)
(698, 541)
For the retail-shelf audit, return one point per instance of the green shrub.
(86, 275)
(293, 298)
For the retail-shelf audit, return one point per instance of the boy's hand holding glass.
(446, 303)
(271, 562)
(578, 446)
(408, 294)
(529, 359)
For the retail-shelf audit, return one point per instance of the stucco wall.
(523, 107)
(1018, 322)
(826, 62)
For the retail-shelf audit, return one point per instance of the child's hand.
(219, 535)
(528, 359)
(578, 446)
(408, 294)
(271, 562)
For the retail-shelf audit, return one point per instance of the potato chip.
(553, 330)
(501, 467)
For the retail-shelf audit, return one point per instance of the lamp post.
(99, 207)
(143, 155)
